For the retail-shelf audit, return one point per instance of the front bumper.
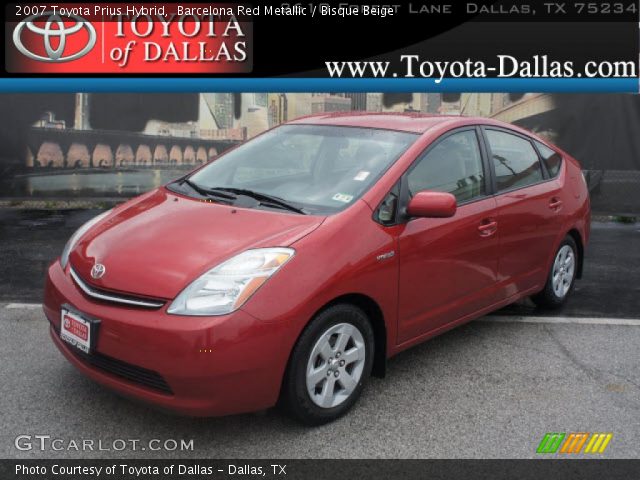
(211, 365)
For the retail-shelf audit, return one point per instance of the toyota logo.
(98, 271)
(48, 32)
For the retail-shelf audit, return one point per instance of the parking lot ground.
(489, 389)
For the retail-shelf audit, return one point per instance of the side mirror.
(432, 204)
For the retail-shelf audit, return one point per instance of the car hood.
(157, 244)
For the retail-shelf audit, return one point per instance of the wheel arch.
(374, 313)
(575, 234)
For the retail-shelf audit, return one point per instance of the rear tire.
(562, 276)
(329, 366)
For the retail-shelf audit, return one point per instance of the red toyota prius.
(293, 266)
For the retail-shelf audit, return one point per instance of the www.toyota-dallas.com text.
(505, 66)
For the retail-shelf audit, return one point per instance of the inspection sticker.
(361, 176)
(342, 197)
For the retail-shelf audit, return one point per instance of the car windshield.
(313, 169)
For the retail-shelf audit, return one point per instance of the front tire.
(562, 276)
(329, 365)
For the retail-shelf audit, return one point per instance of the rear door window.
(514, 159)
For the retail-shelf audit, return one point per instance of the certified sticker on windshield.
(342, 197)
(361, 176)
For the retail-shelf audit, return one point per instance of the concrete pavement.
(490, 389)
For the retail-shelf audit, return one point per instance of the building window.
(260, 99)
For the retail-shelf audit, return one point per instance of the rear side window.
(552, 159)
(515, 160)
(453, 165)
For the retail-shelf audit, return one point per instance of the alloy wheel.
(335, 365)
(563, 271)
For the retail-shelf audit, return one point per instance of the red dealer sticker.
(121, 38)
(75, 330)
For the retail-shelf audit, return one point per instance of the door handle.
(488, 227)
(555, 204)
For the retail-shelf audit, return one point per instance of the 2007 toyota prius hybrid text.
(291, 267)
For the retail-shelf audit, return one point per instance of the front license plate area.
(77, 330)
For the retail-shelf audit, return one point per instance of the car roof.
(406, 122)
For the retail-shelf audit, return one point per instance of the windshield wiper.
(208, 192)
(231, 194)
(263, 198)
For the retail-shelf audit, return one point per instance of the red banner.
(120, 38)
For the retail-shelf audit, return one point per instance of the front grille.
(106, 296)
(133, 373)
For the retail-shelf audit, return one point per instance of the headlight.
(64, 258)
(226, 287)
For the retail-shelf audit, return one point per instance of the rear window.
(552, 159)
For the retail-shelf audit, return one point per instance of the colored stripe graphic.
(550, 443)
(598, 443)
(573, 442)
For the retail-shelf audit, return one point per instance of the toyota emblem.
(98, 271)
(54, 27)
